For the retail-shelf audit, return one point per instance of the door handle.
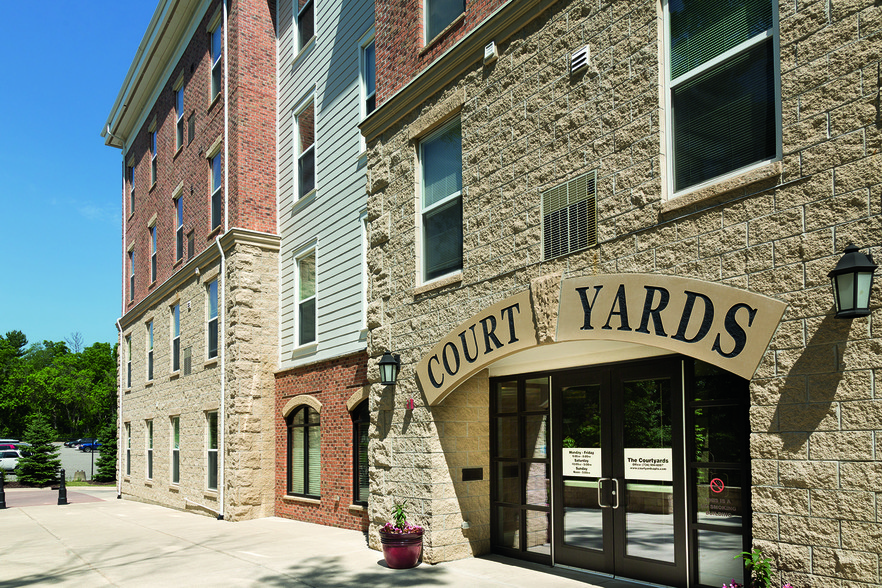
(616, 492)
(600, 494)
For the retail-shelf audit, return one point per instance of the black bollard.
(62, 491)
(2, 491)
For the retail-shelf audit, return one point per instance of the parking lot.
(73, 460)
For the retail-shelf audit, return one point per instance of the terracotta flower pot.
(401, 550)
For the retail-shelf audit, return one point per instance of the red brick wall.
(332, 383)
(252, 151)
(399, 40)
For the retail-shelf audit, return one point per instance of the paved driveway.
(110, 542)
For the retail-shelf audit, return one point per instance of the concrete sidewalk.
(112, 542)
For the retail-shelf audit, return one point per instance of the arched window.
(304, 457)
(361, 420)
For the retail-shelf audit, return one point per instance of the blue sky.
(60, 223)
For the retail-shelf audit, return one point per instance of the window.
(176, 449)
(212, 319)
(361, 420)
(179, 231)
(304, 456)
(191, 128)
(149, 450)
(306, 298)
(211, 457)
(152, 254)
(216, 64)
(723, 80)
(153, 157)
(179, 115)
(441, 160)
(305, 133)
(132, 274)
(176, 337)
(215, 191)
(130, 178)
(368, 78)
(305, 26)
(150, 350)
(439, 14)
(128, 449)
(128, 361)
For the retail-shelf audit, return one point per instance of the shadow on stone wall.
(809, 390)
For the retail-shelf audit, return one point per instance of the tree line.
(72, 386)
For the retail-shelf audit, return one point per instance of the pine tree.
(107, 460)
(40, 467)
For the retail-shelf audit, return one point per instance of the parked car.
(94, 446)
(9, 459)
(70, 443)
(79, 442)
(5, 446)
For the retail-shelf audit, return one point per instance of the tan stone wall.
(251, 300)
(529, 125)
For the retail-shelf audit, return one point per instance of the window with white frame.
(215, 165)
(179, 229)
(153, 170)
(150, 350)
(441, 201)
(211, 451)
(179, 116)
(128, 361)
(439, 14)
(305, 22)
(723, 88)
(212, 320)
(176, 337)
(306, 298)
(152, 253)
(368, 76)
(304, 123)
(130, 178)
(176, 449)
(149, 446)
(132, 274)
(217, 69)
(128, 449)
(304, 452)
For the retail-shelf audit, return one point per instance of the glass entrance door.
(619, 501)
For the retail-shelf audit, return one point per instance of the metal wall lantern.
(852, 280)
(390, 365)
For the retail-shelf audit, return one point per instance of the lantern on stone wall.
(390, 365)
(852, 280)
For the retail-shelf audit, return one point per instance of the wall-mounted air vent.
(580, 59)
(569, 216)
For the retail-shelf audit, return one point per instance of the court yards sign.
(721, 325)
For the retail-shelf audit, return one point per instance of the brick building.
(195, 120)
(600, 236)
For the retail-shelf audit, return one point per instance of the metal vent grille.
(580, 58)
(188, 363)
(569, 216)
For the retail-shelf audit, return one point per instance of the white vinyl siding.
(328, 216)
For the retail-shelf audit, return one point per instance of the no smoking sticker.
(717, 485)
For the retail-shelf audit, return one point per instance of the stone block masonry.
(528, 125)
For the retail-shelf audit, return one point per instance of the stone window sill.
(302, 500)
(439, 283)
(357, 508)
(720, 191)
(431, 43)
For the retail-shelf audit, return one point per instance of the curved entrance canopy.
(721, 325)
